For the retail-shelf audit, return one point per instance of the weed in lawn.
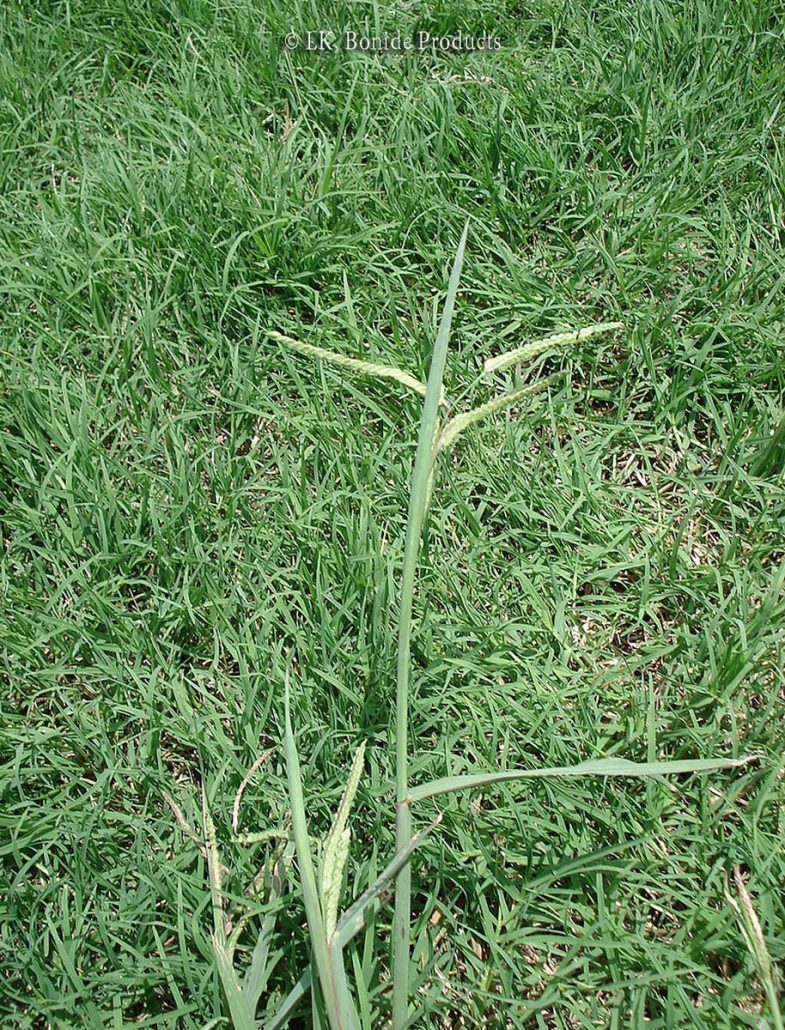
(321, 902)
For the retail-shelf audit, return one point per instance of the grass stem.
(417, 504)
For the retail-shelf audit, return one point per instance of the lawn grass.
(188, 509)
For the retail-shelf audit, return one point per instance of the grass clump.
(321, 907)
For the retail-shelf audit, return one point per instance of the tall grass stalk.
(423, 465)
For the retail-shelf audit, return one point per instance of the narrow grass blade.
(355, 365)
(290, 1002)
(532, 350)
(466, 419)
(241, 1004)
(352, 921)
(336, 847)
(752, 932)
(259, 969)
(355, 917)
(600, 767)
(423, 464)
(339, 1012)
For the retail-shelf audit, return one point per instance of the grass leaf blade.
(598, 767)
(256, 976)
(421, 476)
(334, 997)
(290, 1002)
(354, 918)
(752, 932)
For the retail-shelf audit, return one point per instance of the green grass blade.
(242, 1005)
(354, 918)
(349, 1019)
(290, 1002)
(352, 921)
(466, 419)
(752, 931)
(339, 1015)
(599, 767)
(223, 950)
(259, 969)
(423, 464)
(532, 350)
(355, 365)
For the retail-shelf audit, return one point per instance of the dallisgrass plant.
(322, 869)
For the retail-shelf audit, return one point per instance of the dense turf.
(187, 509)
